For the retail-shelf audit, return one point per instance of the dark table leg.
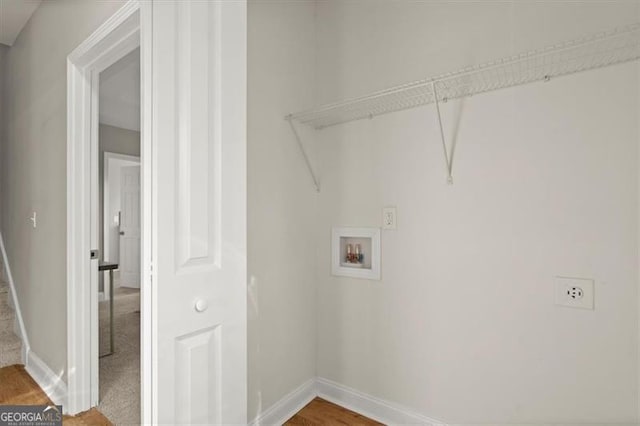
(111, 344)
(111, 295)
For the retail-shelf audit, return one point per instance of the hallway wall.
(34, 166)
(3, 60)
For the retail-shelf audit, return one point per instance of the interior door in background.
(130, 226)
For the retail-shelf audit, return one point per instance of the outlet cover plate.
(389, 218)
(574, 292)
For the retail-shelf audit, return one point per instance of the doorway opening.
(119, 222)
(109, 170)
(193, 229)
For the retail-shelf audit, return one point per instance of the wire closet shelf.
(591, 52)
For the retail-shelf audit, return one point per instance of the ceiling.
(14, 14)
(120, 93)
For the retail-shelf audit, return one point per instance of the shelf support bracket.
(448, 158)
(289, 118)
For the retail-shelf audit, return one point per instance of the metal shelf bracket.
(448, 156)
(316, 183)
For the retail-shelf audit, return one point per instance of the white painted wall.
(34, 166)
(462, 326)
(120, 93)
(281, 203)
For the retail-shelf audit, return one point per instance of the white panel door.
(130, 226)
(199, 198)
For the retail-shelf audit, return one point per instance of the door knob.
(121, 232)
(201, 305)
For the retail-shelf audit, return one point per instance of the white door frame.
(127, 29)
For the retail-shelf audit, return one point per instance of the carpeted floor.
(18, 388)
(120, 372)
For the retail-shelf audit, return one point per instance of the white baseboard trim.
(284, 409)
(370, 406)
(18, 326)
(50, 382)
(354, 400)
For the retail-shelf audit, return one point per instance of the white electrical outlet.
(574, 292)
(389, 218)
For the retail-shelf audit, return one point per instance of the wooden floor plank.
(18, 388)
(320, 412)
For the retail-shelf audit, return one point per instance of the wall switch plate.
(389, 218)
(574, 292)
